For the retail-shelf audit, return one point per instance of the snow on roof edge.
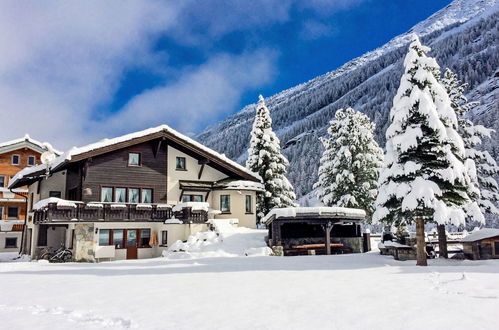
(66, 156)
(481, 234)
(324, 210)
(27, 138)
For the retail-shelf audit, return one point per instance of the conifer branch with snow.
(266, 159)
(484, 166)
(350, 164)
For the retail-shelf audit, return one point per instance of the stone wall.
(84, 245)
(355, 243)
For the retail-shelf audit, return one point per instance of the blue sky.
(71, 73)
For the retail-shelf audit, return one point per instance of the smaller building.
(482, 244)
(315, 230)
(14, 156)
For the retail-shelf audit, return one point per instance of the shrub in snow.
(424, 177)
(265, 158)
(349, 166)
(484, 167)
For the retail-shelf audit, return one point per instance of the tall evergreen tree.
(350, 164)
(265, 158)
(485, 166)
(424, 178)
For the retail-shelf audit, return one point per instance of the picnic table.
(303, 249)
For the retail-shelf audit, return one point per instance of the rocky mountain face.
(464, 36)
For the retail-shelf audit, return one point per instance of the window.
(248, 204)
(164, 237)
(31, 160)
(12, 212)
(106, 194)
(496, 248)
(15, 159)
(225, 203)
(56, 194)
(180, 163)
(145, 237)
(2, 181)
(104, 237)
(134, 159)
(146, 196)
(133, 195)
(10, 242)
(120, 195)
(118, 238)
(192, 198)
(1, 212)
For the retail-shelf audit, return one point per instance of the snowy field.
(362, 291)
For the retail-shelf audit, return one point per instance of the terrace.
(54, 210)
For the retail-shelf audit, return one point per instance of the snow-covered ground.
(357, 291)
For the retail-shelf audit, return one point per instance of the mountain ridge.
(464, 36)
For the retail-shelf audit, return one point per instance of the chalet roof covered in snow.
(297, 212)
(163, 131)
(481, 234)
(25, 142)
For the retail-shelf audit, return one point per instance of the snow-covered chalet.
(132, 196)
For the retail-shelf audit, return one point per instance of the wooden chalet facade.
(14, 156)
(482, 244)
(132, 196)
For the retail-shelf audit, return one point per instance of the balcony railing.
(112, 212)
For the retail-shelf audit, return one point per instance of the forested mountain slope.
(464, 36)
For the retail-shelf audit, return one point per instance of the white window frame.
(4, 181)
(34, 160)
(18, 160)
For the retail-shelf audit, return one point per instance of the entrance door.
(131, 244)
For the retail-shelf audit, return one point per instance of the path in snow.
(225, 241)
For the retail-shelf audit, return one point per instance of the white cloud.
(200, 95)
(59, 60)
(312, 30)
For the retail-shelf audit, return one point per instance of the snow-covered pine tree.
(265, 158)
(472, 135)
(423, 178)
(350, 164)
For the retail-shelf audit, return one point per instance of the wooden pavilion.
(316, 230)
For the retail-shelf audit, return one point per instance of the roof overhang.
(214, 159)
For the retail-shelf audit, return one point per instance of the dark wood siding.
(73, 182)
(111, 169)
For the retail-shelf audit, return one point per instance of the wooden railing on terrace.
(110, 212)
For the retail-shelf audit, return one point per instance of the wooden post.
(420, 243)
(442, 242)
(328, 228)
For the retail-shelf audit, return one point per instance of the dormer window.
(180, 164)
(15, 159)
(134, 159)
(31, 160)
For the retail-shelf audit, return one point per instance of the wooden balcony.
(114, 212)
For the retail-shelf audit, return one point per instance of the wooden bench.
(336, 248)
